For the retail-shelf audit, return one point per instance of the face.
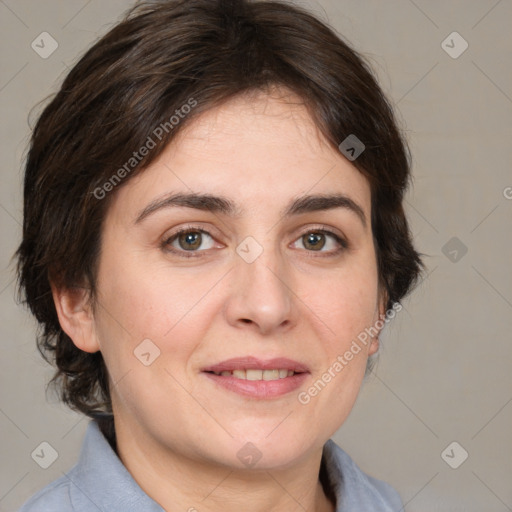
(263, 279)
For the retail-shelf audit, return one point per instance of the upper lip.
(250, 362)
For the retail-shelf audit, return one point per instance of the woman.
(213, 239)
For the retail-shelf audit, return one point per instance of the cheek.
(166, 306)
(344, 305)
(147, 331)
(345, 301)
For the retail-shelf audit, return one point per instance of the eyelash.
(196, 254)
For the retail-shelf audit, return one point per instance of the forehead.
(255, 150)
(277, 121)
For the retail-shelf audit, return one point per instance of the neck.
(178, 482)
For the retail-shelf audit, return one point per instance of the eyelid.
(168, 238)
(340, 238)
(321, 228)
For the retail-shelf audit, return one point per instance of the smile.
(255, 374)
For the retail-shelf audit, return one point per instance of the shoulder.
(98, 481)
(52, 498)
(57, 496)
(355, 490)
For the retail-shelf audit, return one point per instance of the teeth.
(271, 375)
(254, 374)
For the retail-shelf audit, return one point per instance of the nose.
(261, 294)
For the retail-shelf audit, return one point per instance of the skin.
(178, 433)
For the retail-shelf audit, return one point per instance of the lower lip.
(260, 388)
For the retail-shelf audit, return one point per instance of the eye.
(316, 240)
(188, 240)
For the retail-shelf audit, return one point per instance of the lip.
(260, 389)
(253, 363)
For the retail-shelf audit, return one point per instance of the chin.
(256, 449)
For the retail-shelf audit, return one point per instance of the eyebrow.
(225, 206)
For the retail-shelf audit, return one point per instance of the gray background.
(444, 373)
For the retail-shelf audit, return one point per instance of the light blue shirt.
(100, 482)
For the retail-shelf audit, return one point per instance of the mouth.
(257, 378)
(257, 374)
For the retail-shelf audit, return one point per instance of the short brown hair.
(160, 56)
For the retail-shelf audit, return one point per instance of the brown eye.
(317, 240)
(188, 241)
(313, 241)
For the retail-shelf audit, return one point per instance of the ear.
(76, 316)
(380, 315)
